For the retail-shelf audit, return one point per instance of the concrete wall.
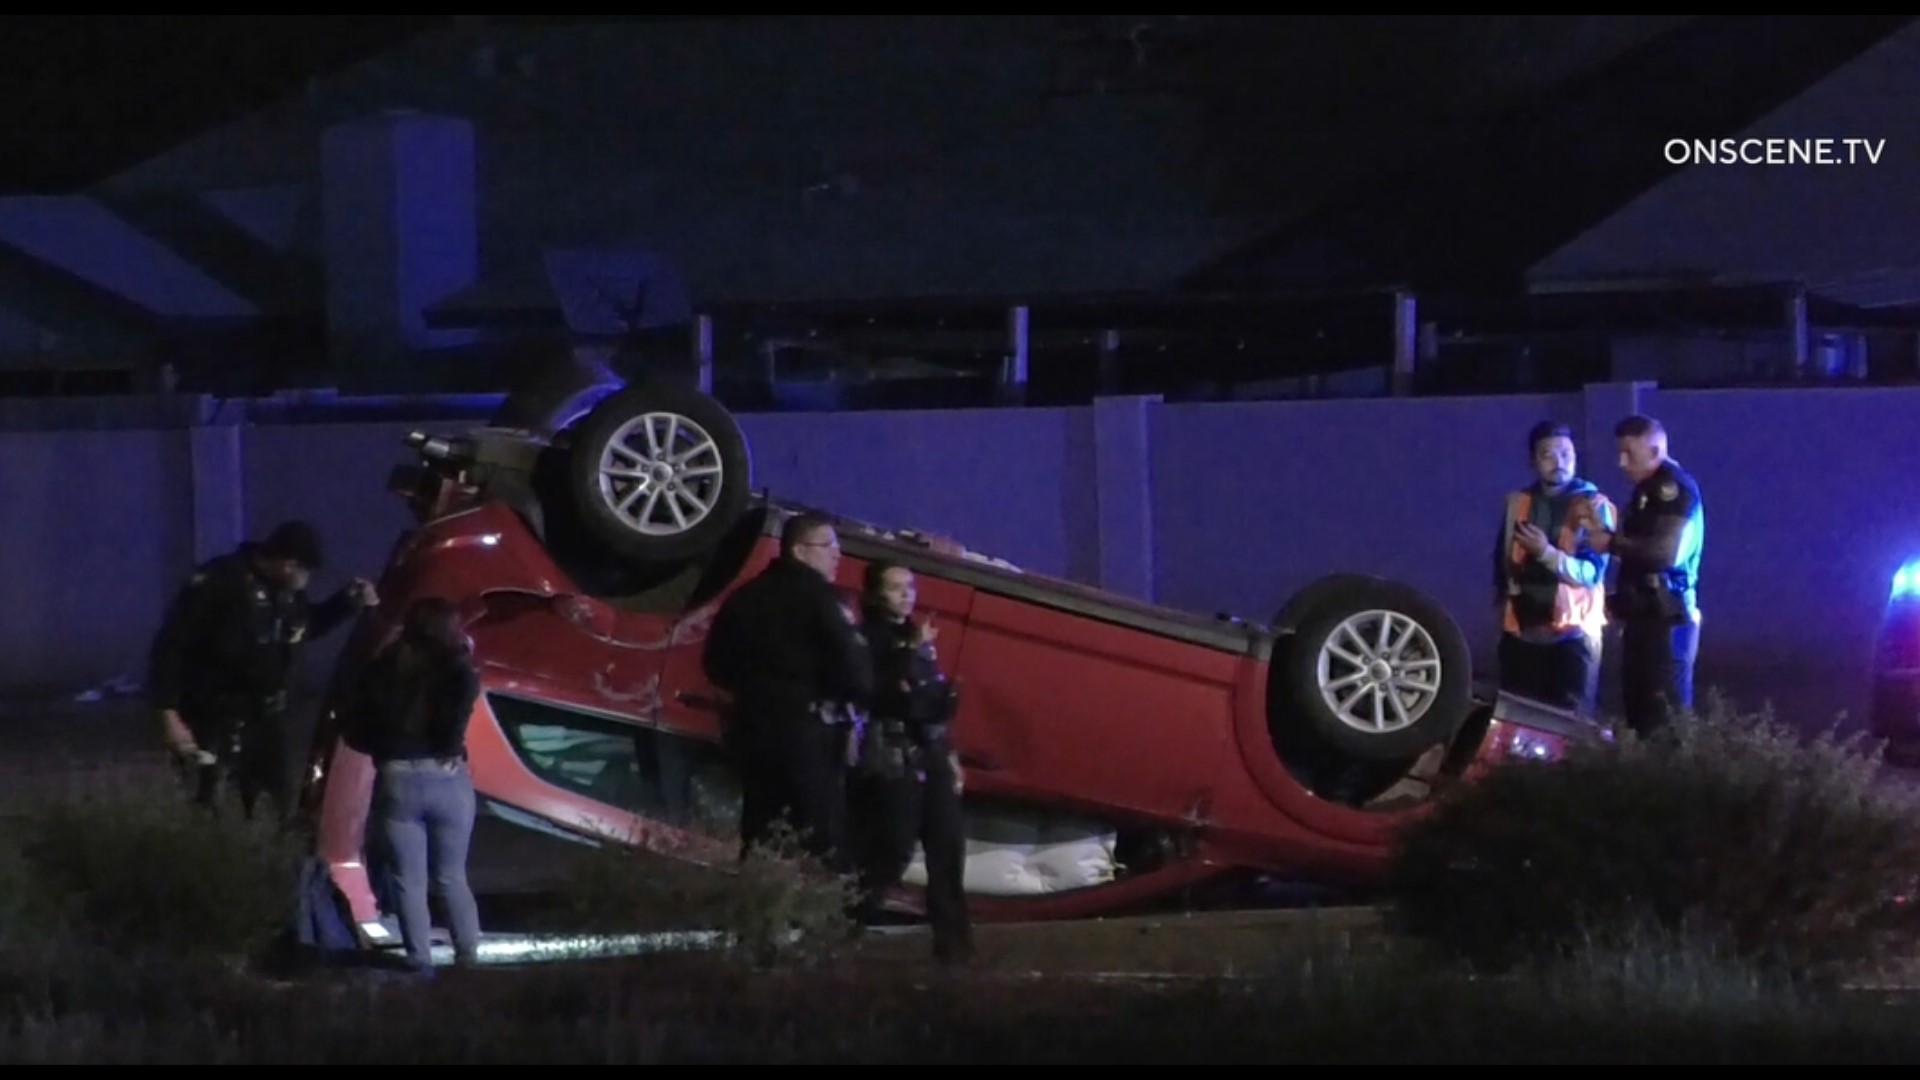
(1208, 506)
(97, 525)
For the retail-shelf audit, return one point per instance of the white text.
(1844, 151)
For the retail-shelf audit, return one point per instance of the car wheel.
(1374, 668)
(659, 471)
(555, 396)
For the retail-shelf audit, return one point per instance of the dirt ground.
(1202, 944)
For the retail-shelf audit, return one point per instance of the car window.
(655, 774)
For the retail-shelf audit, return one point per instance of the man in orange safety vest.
(1552, 584)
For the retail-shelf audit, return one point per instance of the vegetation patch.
(1732, 832)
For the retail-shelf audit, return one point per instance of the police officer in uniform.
(907, 783)
(1656, 595)
(790, 657)
(223, 658)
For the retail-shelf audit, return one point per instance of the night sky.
(92, 95)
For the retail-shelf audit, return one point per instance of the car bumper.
(1526, 730)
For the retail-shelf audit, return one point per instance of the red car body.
(1153, 725)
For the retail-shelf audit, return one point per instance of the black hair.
(295, 540)
(434, 624)
(1547, 429)
(876, 575)
(1637, 427)
(798, 528)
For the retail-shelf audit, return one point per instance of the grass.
(1378, 1005)
(106, 891)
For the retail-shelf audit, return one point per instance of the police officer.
(907, 785)
(789, 655)
(1656, 596)
(1551, 583)
(223, 658)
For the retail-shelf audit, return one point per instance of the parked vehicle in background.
(1896, 669)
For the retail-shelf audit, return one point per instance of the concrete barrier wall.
(1810, 498)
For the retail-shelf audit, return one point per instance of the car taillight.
(1533, 745)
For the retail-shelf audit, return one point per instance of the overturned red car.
(1115, 751)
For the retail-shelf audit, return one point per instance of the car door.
(575, 648)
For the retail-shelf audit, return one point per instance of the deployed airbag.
(1025, 856)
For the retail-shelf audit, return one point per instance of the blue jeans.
(425, 813)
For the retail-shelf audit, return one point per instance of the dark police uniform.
(223, 659)
(905, 788)
(1656, 596)
(792, 659)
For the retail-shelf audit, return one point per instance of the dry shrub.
(134, 866)
(777, 904)
(784, 905)
(1791, 855)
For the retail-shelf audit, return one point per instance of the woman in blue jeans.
(411, 718)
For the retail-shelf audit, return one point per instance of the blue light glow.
(1906, 582)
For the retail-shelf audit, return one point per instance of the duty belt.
(1667, 580)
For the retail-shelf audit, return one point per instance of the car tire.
(629, 515)
(1316, 673)
(555, 395)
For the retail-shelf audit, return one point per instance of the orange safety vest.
(1582, 607)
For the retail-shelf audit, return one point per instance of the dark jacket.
(1658, 547)
(413, 703)
(229, 636)
(908, 685)
(782, 642)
